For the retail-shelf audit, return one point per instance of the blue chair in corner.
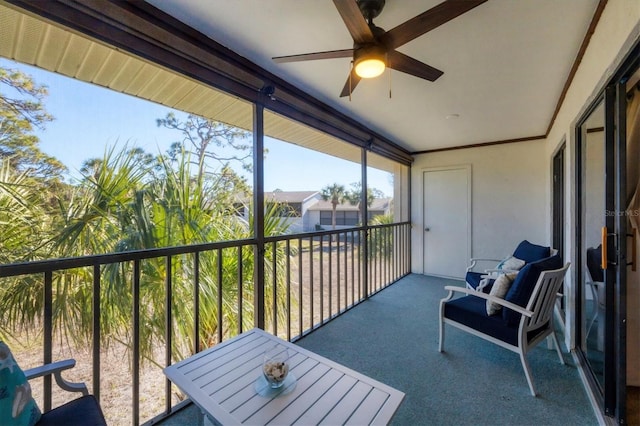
(83, 411)
(526, 251)
(527, 311)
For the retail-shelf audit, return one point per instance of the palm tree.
(336, 194)
(122, 205)
(354, 197)
(23, 222)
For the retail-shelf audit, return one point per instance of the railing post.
(196, 302)
(168, 329)
(365, 225)
(288, 268)
(258, 212)
(240, 290)
(48, 334)
(274, 284)
(96, 331)
(135, 362)
(219, 308)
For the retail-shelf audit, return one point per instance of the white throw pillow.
(500, 288)
(511, 264)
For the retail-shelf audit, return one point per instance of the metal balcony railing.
(211, 291)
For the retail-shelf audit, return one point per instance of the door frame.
(611, 398)
(559, 179)
(558, 197)
(467, 168)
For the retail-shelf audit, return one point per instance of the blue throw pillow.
(522, 287)
(531, 252)
(17, 407)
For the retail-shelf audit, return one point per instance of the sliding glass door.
(592, 179)
(600, 260)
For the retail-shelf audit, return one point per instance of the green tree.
(354, 197)
(118, 207)
(23, 220)
(336, 194)
(21, 112)
(209, 141)
(381, 241)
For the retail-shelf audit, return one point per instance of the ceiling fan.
(374, 48)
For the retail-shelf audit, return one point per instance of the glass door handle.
(634, 249)
(604, 261)
(605, 248)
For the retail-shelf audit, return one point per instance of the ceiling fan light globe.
(369, 67)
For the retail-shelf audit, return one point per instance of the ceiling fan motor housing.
(370, 8)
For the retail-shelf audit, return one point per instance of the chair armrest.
(56, 369)
(475, 260)
(501, 271)
(485, 259)
(499, 301)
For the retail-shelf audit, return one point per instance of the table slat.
(270, 408)
(341, 412)
(222, 381)
(368, 410)
(319, 410)
(305, 401)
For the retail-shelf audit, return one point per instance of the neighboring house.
(306, 211)
(380, 207)
(347, 214)
(293, 207)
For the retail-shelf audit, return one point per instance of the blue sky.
(89, 118)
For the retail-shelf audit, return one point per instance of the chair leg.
(527, 372)
(557, 319)
(555, 340)
(594, 315)
(441, 338)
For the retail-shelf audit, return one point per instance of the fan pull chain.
(350, 73)
(389, 71)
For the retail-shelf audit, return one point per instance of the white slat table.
(222, 382)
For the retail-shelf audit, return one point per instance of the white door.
(446, 221)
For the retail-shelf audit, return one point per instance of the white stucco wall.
(617, 31)
(508, 197)
(502, 173)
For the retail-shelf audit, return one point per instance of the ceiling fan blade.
(401, 62)
(355, 22)
(351, 84)
(427, 21)
(344, 53)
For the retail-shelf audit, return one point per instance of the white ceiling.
(505, 62)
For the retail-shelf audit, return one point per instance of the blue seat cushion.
(524, 284)
(84, 411)
(593, 263)
(531, 252)
(474, 278)
(472, 312)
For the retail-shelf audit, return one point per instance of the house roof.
(380, 204)
(377, 205)
(289, 196)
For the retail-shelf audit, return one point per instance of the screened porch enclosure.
(129, 299)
